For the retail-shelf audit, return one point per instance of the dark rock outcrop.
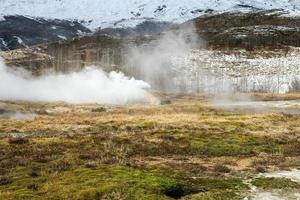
(20, 31)
(145, 28)
(249, 30)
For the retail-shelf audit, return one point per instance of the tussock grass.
(103, 152)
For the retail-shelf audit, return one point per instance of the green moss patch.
(275, 183)
(111, 182)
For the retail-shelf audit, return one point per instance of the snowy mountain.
(25, 23)
(19, 31)
(122, 13)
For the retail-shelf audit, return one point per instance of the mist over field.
(88, 86)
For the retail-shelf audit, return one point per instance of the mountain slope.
(116, 13)
(19, 31)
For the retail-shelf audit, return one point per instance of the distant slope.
(19, 31)
(268, 28)
(117, 13)
(28, 22)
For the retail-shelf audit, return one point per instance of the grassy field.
(184, 150)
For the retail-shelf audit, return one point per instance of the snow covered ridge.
(120, 13)
(19, 31)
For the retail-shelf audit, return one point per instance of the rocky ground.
(188, 149)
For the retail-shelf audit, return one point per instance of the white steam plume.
(153, 62)
(88, 86)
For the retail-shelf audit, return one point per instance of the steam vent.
(150, 100)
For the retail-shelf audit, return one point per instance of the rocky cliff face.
(249, 30)
(67, 56)
(30, 59)
(100, 50)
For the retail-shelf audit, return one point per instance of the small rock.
(101, 109)
(18, 140)
(165, 102)
(263, 154)
(261, 169)
(221, 168)
(5, 180)
(91, 164)
(33, 186)
(42, 112)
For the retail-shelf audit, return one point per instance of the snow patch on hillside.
(103, 13)
(2, 18)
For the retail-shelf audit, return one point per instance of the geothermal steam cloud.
(88, 86)
(154, 62)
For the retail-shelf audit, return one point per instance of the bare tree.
(295, 85)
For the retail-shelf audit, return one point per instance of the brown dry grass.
(276, 97)
(189, 138)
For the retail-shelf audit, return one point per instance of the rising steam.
(154, 62)
(88, 86)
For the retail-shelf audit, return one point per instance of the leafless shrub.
(115, 153)
(99, 110)
(262, 88)
(17, 140)
(6, 176)
(118, 194)
(42, 158)
(260, 169)
(295, 85)
(5, 179)
(61, 165)
(35, 172)
(33, 186)
(88, 156)
(259, 162)
(293, 150)
(91, 164)
(221, 168)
